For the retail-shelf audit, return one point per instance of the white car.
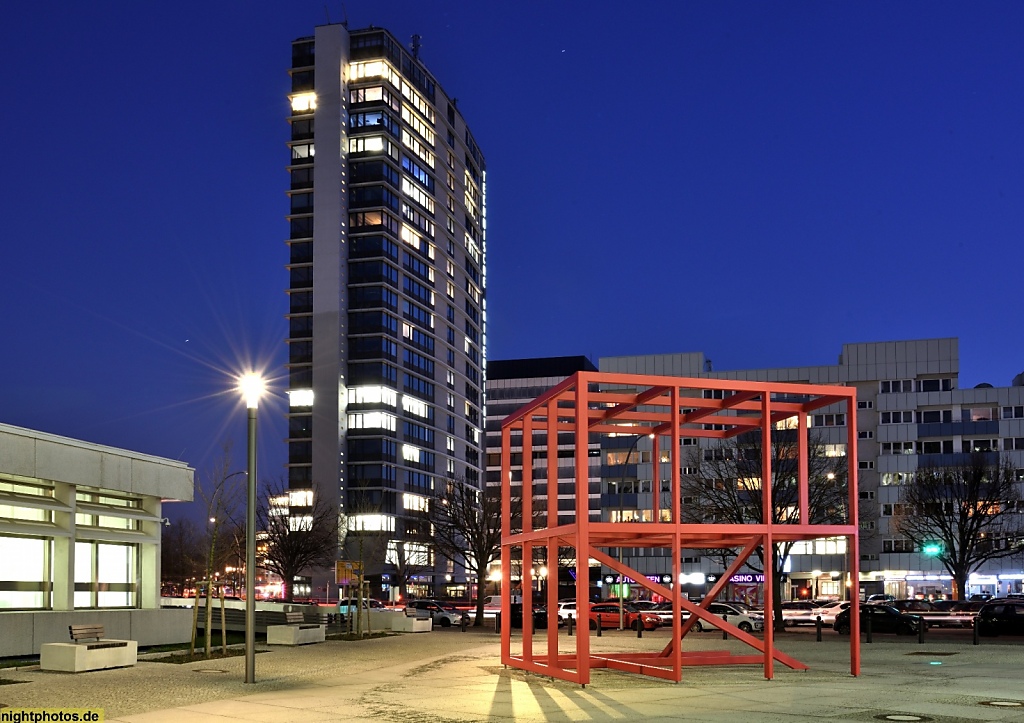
(828, 612)
(740, 615)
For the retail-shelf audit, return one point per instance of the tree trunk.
(778, 621)
(960, 586)
(479, 599)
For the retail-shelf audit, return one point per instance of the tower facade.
(387, 314)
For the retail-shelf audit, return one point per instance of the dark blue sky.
(758, 181)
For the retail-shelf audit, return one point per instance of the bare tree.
(727, 488)
(296, 538)
(963, 515)
(181, 556)
(467, 530)
(222, 502)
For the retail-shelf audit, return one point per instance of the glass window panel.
(24, 559)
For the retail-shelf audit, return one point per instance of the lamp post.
(251, 386)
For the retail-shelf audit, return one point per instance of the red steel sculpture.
(666, 409)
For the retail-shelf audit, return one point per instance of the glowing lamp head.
(251, 386)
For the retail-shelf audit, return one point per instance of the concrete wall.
(25, 632)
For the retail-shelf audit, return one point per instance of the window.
(895, 417)
(933, 416)
(897, 448)
(980, 414)
(828, 420)
(372, 420)
(1015, 443)
(897, 546)
(938, 446)
(865, 435)
(1013, 412)
(896, 478)
(866, 464)
(896, 386)
(865, 405)
(106, 575)
(416, 146)
(980, 445)
(934, 385)
(25, 575)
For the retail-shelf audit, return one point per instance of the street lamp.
(251, 385)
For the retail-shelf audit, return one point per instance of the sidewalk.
(450, 676)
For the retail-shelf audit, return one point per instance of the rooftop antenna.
(416, 46)
(707, 365)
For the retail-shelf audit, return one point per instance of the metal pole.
(250, 557)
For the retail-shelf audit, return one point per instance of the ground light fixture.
(252, 386)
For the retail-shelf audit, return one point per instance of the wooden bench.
(296, 631)
(81, 655)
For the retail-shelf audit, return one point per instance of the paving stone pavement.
(452, 677)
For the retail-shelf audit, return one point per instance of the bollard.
(725, 633)
(599, 626)
(639, 627)
(817, 626)
(465, 621)
(568, 624)
(920, 631)
(977, 637)
(497, 623)
(867, 627)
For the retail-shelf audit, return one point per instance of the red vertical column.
(554, 567)
(526, 579)
(506, 548)
(582, 470)
(853, 541)
(767, 513)
(676, 459)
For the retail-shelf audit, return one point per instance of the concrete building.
(511, 384)
(387, 317)
(910, 413)
(80, 529)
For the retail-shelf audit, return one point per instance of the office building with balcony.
(911, 413)
(387, 316)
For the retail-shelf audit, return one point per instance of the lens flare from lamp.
(251, 386)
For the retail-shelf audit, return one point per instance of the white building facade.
(80, 528)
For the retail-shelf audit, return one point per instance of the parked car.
(607, 615)
(798, 612)
(934, 615)
(346, 605)
(828, 611)
(884, 619)
(440, 614)
(883, 598)
(742, 616)
(567, 608)
(540, 616)
(664, 611)
(1005, 617)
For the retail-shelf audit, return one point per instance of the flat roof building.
(80, 528)
(387, 279)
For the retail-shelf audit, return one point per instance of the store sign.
(746, 578)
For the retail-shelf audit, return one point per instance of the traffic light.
(932, 549)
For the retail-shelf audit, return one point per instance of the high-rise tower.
(387, 319)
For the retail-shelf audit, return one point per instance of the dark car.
(1005, 617)
(884, 619)
(540, 616)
